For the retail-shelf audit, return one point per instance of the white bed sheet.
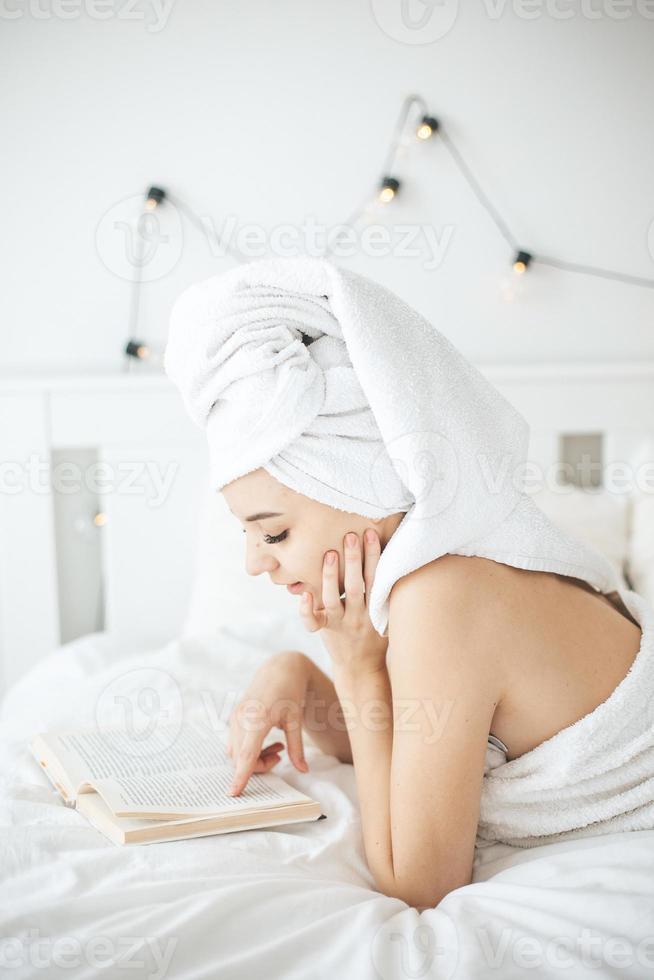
(294, 902)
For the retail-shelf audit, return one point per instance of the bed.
(295, 901)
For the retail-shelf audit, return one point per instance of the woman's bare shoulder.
(460, 571)
(481, 593)
(455, 604)
(487, 598)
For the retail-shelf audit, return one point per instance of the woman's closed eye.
(273, 538)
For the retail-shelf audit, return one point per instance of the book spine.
(60, 789)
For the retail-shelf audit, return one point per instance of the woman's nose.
(257, 561)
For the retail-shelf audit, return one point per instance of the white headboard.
(62, 576)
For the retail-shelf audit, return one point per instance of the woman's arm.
(419, 776)
(371, 732)
(324, 721)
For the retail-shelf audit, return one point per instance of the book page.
(97, 754)
(196, 793)
(173, 771)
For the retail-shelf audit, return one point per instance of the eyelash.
(273, 538)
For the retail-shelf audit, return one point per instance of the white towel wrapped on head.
(344, 393)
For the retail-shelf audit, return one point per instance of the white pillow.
(640, 558)
(598, 518)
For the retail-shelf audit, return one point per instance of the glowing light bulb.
(154, 197)
(428, 126)
(521, 262)
(389, 188)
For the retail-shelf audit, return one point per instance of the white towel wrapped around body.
(593, 777)
(344, 393)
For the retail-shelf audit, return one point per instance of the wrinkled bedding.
(292, 902)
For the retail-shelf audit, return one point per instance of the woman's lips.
(296, 588)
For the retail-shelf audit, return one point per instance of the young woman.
(467, 625)
(474, 645)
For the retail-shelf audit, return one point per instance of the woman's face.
(290, 547)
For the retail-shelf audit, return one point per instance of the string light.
(521, 262)
(153, 198)
(388, 189)
(428, 126)
(134, 348)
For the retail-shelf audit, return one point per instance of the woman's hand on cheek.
(347, 632)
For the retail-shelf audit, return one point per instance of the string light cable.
(407, 131)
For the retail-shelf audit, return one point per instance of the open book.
(165, 785)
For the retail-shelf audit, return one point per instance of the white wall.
(275, 112)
